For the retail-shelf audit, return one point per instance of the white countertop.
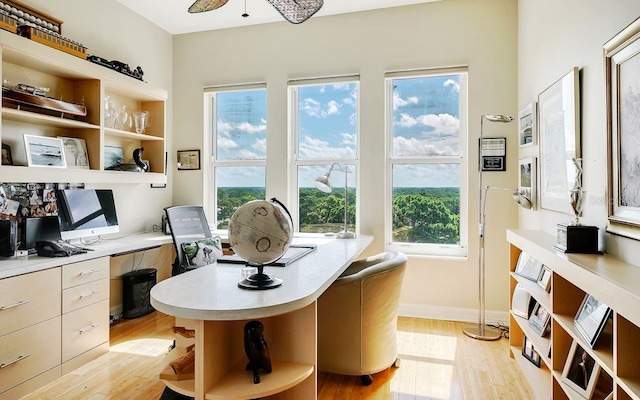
(13, 266)
(212, 292)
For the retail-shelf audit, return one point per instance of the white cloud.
(442, 124)
(260, 146)
(420, 147)
(225, 143)
(400, 102)
(451, 84)
(317, 148)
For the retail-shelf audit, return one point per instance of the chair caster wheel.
(366, 380)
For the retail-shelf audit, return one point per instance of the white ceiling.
(172, 15)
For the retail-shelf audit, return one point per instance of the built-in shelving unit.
(81, 82)
(611, 281)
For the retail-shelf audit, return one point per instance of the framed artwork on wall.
(527, 125)
(622, 70)
(188, 159)
(527, 179)
(559, 131)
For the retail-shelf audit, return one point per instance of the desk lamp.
(323, 183)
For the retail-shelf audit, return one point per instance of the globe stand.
(260, 280)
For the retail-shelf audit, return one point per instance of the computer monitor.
(83, 213)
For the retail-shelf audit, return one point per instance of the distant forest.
(420, 215)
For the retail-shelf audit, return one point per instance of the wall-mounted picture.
(529, 352)
(113, 155)
(622, 69)
(43, 151)
(545, 279)
(527, 125)
(539, 320)
(580, 371)
(75, 152)
(559, 131)
(494, 152)
(591, 318)
(528, 267)
(188, 159)
(7, 159)
(527, 179)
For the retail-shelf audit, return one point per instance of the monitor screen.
(86, 212)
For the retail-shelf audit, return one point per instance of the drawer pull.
(84, 296)
(20, 358)
(92, 327)
(93, 271)
(21, 302)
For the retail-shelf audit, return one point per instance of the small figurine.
(139, 166)
(257, 349)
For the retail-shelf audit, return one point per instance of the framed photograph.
(622, 70)
(545, 279)
(188, 159)
(530, 353)
(43, 151)
(75, 152)
(6, 155)
(539, 320)
(494, 152)
(580, 371)
(527, 179)
(528, 267)
(559, 129)
(113, 156)
(591, 318)
(527, 125)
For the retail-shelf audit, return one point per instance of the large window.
(238, 125)
(426, 153)
(324, 126)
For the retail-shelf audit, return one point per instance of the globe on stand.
(260, 232)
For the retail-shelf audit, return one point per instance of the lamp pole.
(345, 234)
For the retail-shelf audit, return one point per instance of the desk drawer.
(84, 271)
(28, 299)
(84, 329)
(29, 352)
(83, 295)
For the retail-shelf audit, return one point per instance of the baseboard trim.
(451, 313)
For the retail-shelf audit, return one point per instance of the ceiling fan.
(294, 11)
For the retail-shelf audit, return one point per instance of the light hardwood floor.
(437, 362)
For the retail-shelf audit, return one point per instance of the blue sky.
(426, 123)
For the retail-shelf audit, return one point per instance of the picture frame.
(44, 151)
(559, 135)
(75, 152)
(539, 320)
(113, 155)
(7, 159)
(528, 125)
(529, 352)
(544, 281)
(591, 318)
(188, 160)
(493, 154)
(527, 179)
(528, 267)
(622, 63)
(580, 371)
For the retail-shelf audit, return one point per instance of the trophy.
(575, 237)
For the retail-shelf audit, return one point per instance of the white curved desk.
(209, 301)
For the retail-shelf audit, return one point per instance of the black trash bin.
(136, 290)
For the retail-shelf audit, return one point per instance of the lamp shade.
(323, 184)
(206, 5)
(296, 11)
(499, 118)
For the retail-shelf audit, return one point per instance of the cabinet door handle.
(84, 296)
(20, 358)
(93, 271)
(90, 328)
(21, 302)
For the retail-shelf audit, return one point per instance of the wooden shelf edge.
(631, 386)
(539, 379)
(13, 114)
(539, 294)
(539, 342)
(238, 383)
(39, 174)
(130, 135)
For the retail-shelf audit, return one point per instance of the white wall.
(554, 36)
(479, 33)
(112, 31)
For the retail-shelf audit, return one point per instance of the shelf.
(541, 344)
(539, 294)
(539, 378)
(603, 351)
(630, 386)
(66, 175)
(238, 382)
(130, 135)
(13, 114)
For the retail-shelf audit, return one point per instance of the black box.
(577, 239)
(8, 237)
(136, 292)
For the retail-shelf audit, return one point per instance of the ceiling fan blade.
(296, 11)
(206, 5)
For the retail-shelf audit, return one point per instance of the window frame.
(428, 249)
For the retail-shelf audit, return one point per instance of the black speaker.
(8, 237)
(38, 228)
(136, 290)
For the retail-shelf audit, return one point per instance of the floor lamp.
(481, 331)
(323, 183)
